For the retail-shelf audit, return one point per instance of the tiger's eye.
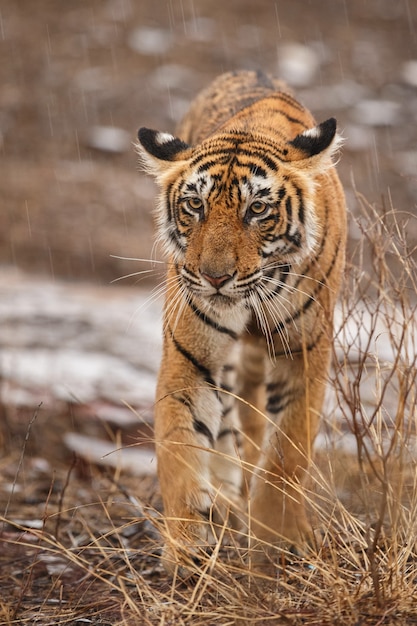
(195, 204)
(258, 207)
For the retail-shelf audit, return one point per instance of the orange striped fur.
(252, 217)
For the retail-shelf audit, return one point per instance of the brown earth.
(78, 543)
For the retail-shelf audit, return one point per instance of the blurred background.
(77, 79)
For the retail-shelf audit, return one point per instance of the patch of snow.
(148, 41)
(172, 76)
(134, 459)
(358, 137)
(109, 139)
(377, 112)
(77, 342)
(92, 79)
(390, 334)
(334, 97)
(407, 163)
(409, 72)
(297, 64)
(77, 376)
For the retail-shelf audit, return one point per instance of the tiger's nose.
(217, 281)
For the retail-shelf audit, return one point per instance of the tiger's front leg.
(188, 420)
(184, 479)
(278, 518)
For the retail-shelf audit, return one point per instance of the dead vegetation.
(81, 546)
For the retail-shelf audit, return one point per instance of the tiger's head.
(237, 206)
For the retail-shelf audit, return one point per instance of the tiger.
(252, 219)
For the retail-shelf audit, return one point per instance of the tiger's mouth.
(236, 291)
(215, 300)
(220, 300)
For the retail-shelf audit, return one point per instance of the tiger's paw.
(188, 544)
(185, 561)
(270, 551)
(274, 542)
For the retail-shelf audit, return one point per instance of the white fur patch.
(313, 133)
(209, 408)
(162, 138)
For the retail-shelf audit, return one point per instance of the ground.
(80, 535)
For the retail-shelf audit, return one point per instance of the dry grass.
(92, 557)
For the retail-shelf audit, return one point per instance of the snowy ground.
(76, 343)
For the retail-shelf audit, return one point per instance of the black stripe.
(168, 202)
(199, 366)
(288, 208)
(266, 255)
(280, 95)
(264, 192)
(226, 411)
(210, 322)
(256, 170)
(189, 275)
(272, 386)
(198, 425)
(281, 193)
(284, 273)
(278, 408)
(319, 250)
(227, 431)
(273, 220)
(263, 80)
(248, 278)
(295, 239)
(301, 205)
(316, 340)
(207, 165)
(312, 298)
(279, 401)
(203, 429)
(174, 237)
(293, 120)
(206, 515)
(230, 149)
(303, 350)
(183, 399)
(184, 222)
(202, 157)
(286, 97)
(268, 162)
(324, 235)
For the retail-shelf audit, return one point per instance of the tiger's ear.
(157, 151)
(314, 148)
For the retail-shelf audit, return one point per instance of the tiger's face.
(234, 211)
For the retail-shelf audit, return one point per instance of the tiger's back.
(222, 100)
(252, 217)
